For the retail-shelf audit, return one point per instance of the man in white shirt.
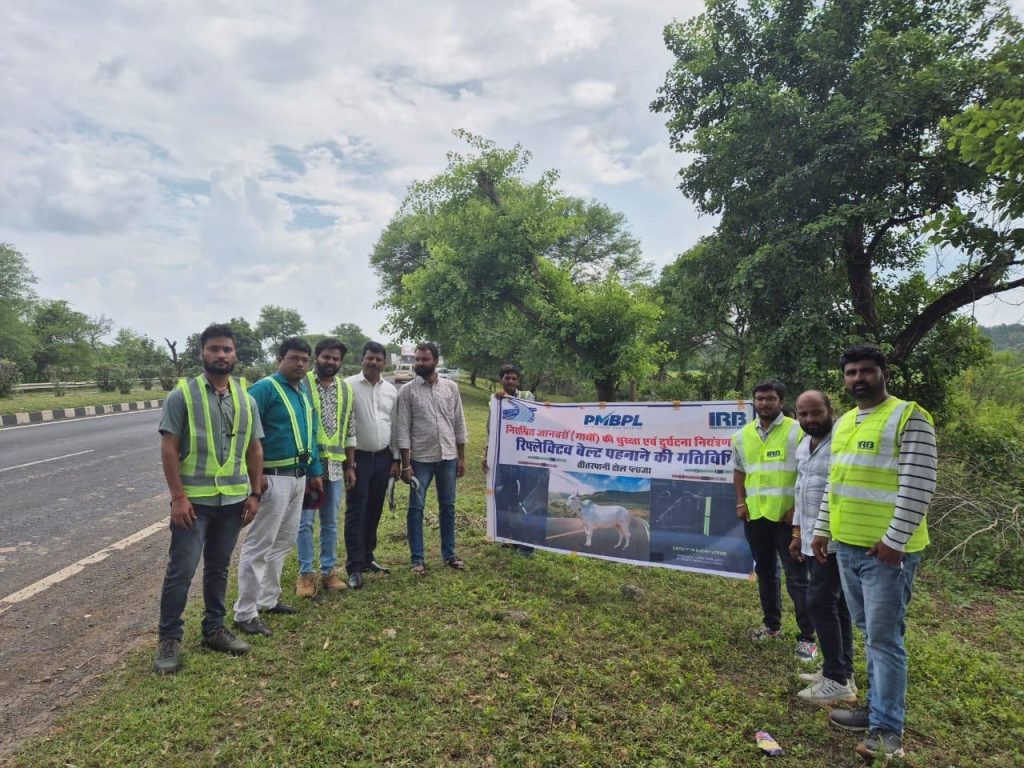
(376, 462)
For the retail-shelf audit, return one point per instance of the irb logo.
(720, 419)
(776, 454)
(866, 445)
(613, 420)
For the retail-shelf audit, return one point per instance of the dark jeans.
(363, 506)
(769, 541)
(213, 536)
(831, 616)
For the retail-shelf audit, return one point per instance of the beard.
(867, 392)
(423, 371)
(818, 430)
(326, 371)
(218, 368)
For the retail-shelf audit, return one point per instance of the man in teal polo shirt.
(290, 464)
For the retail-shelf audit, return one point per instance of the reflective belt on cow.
(770, 467)
(864, 475)
(301, 447)
(202, 474)
(332, 445)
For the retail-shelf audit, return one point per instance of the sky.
(172, 164)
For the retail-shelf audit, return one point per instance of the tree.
(16, 297)
(352, 336)
(816, 134)
(64, 337)
(487, 240)
(136, 351)
(247, 344)
(277, 324)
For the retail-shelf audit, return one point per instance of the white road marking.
(79, 418)
(66, 573)
(43, 461)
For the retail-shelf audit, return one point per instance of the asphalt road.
(68, 490)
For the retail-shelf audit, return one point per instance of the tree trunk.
(472, 378)
(860, 279)
(605, 390)
(632, 390)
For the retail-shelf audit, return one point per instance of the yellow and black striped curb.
(60, 414)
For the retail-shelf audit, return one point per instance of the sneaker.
(306, 585)
(281, 608)
(375, 567)
(814, 677)
(168, 656)
(879, 743)
(254, 626)
(763, 633)
(355, 580)
(225, 641)
(849, 719)
(827, 691)
(806, 651)
(331, 581)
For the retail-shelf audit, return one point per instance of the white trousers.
(271, 536)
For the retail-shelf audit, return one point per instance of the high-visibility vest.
(332, 445)
(770, 467)
(864, 476)
(301, 445)
(202, 474)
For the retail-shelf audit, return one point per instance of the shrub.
(168, 378)
(105, 378)
(146, 376)
(58, 376)
(9, 376)
(123, 379)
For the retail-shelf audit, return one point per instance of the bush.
(9, 376)
(58, 376)
(168, 378)
(105, 378)
(146, 376)
(123, 379)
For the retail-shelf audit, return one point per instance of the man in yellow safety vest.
(212, 459)
(881, 481)
(764, 477)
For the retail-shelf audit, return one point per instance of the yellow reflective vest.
(770, 467)
(202, 474)
(864, 475)
(332, 445)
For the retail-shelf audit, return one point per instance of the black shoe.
(375, 567)
(849, 719)
(254, 626)
(224, 641)
(168, 656)
(281, 608)
(355, 580)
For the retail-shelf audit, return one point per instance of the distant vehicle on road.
(404, 373)
(449, 373)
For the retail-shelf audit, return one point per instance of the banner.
(641, 483)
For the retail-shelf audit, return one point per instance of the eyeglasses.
(304, 359)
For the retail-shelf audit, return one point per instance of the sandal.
(419, 569)
(455, 564)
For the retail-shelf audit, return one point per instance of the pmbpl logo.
(726, 419)
(612, 420)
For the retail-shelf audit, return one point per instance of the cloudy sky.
(169, 164)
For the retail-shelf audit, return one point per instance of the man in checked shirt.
(881, 481)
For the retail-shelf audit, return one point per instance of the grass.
(540, 662)
(27, 402)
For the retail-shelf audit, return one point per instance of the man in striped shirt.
(881, 482)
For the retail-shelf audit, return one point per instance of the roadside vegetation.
(546, 661)
(26, 402)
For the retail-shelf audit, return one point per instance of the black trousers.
(364, 503)
(769, 542)
(831, 618)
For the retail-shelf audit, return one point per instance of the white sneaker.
(827, 691)
(815, 677)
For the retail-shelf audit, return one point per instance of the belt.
(381, 452)
(293, 472)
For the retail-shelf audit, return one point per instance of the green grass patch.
(27, 402)
(539, 662)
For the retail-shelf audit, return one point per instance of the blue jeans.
(328, 530)
(877, 595)
(425, 471)
(213, 535)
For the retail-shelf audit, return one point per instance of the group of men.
(277, 455)
(842, 505)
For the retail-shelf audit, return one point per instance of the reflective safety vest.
(332, 445)
(864, 476)
(303, 444)
(202, 474)
(770, 467)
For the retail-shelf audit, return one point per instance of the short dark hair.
(376, 347)
(823, 395)
(293, 342)
(431, 347)
(217, 331)
(509, 368)
(771, 384)
(331, 343)
(860, 352)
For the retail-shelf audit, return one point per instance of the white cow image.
(601, 516)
